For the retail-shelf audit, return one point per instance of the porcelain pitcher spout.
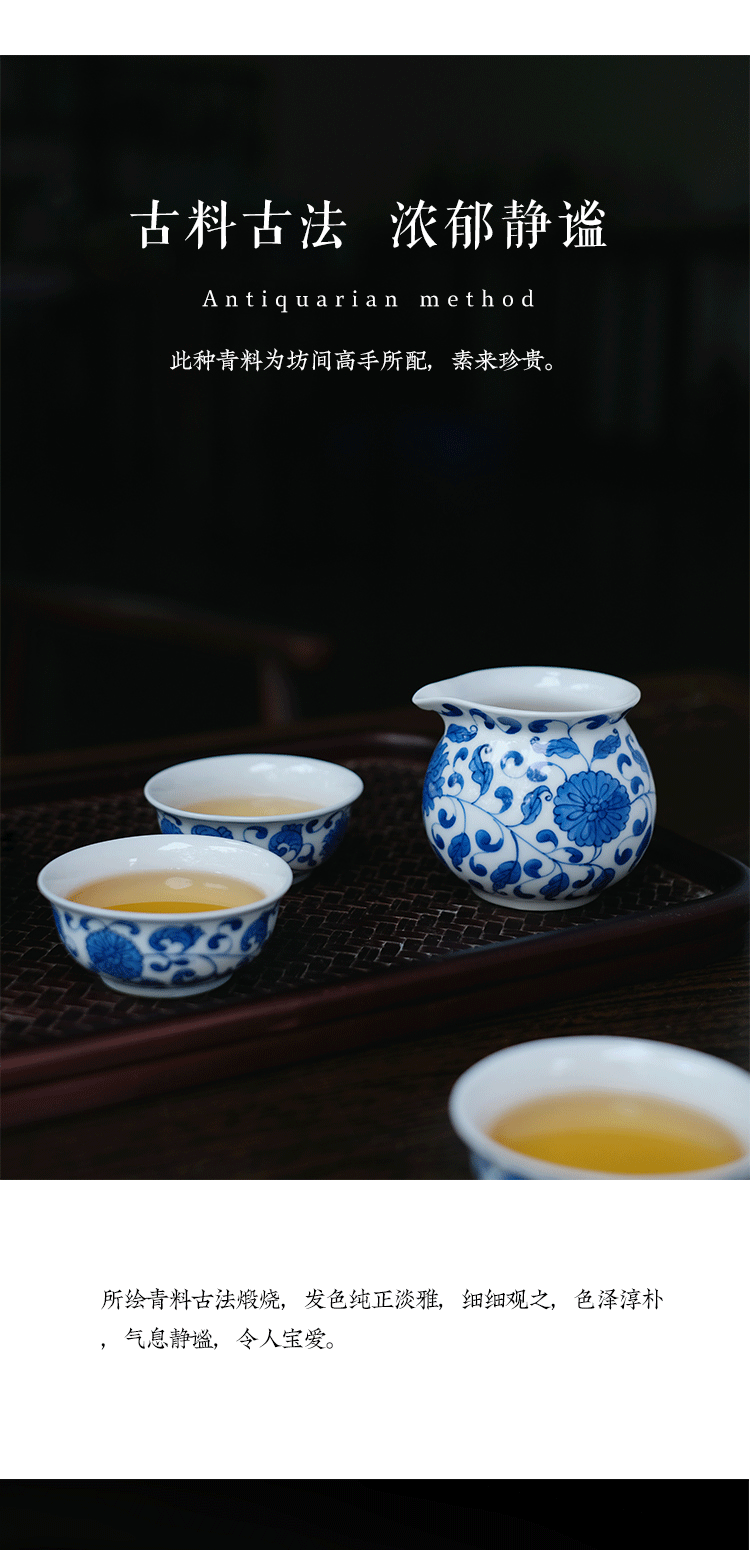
(538, 794)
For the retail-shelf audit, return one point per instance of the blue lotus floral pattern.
(301, 845)
(111, 953)
(592, 807)
(168, 955)
(544, 810)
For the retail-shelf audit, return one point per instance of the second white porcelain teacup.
(300, 813)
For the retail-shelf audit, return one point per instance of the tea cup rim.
(353, 781)
(245, 854)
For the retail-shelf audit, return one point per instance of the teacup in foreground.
(294, 807)
(165, 916)
(538, 794)
(602, 1108)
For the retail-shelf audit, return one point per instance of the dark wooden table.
(381, 1111)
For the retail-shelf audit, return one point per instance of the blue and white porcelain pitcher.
(538, 795)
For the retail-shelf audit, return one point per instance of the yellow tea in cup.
(168, 893)
(251, 806)
(616, 1132)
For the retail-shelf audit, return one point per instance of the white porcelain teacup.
(304, 832)
(164, 954)
(590, 1063)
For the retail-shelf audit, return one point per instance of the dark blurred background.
(191, 551)
(357, 1515)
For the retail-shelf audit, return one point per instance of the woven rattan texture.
(382, 901)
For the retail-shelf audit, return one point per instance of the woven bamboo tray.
(381, 941)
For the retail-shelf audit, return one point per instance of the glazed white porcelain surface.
(538, 795)
(152, 954)
(592, 1063)
(302, 839)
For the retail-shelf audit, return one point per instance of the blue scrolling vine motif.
(592, 804)
(301, 845)
(133, 953)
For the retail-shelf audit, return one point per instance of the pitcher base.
(542, 905)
